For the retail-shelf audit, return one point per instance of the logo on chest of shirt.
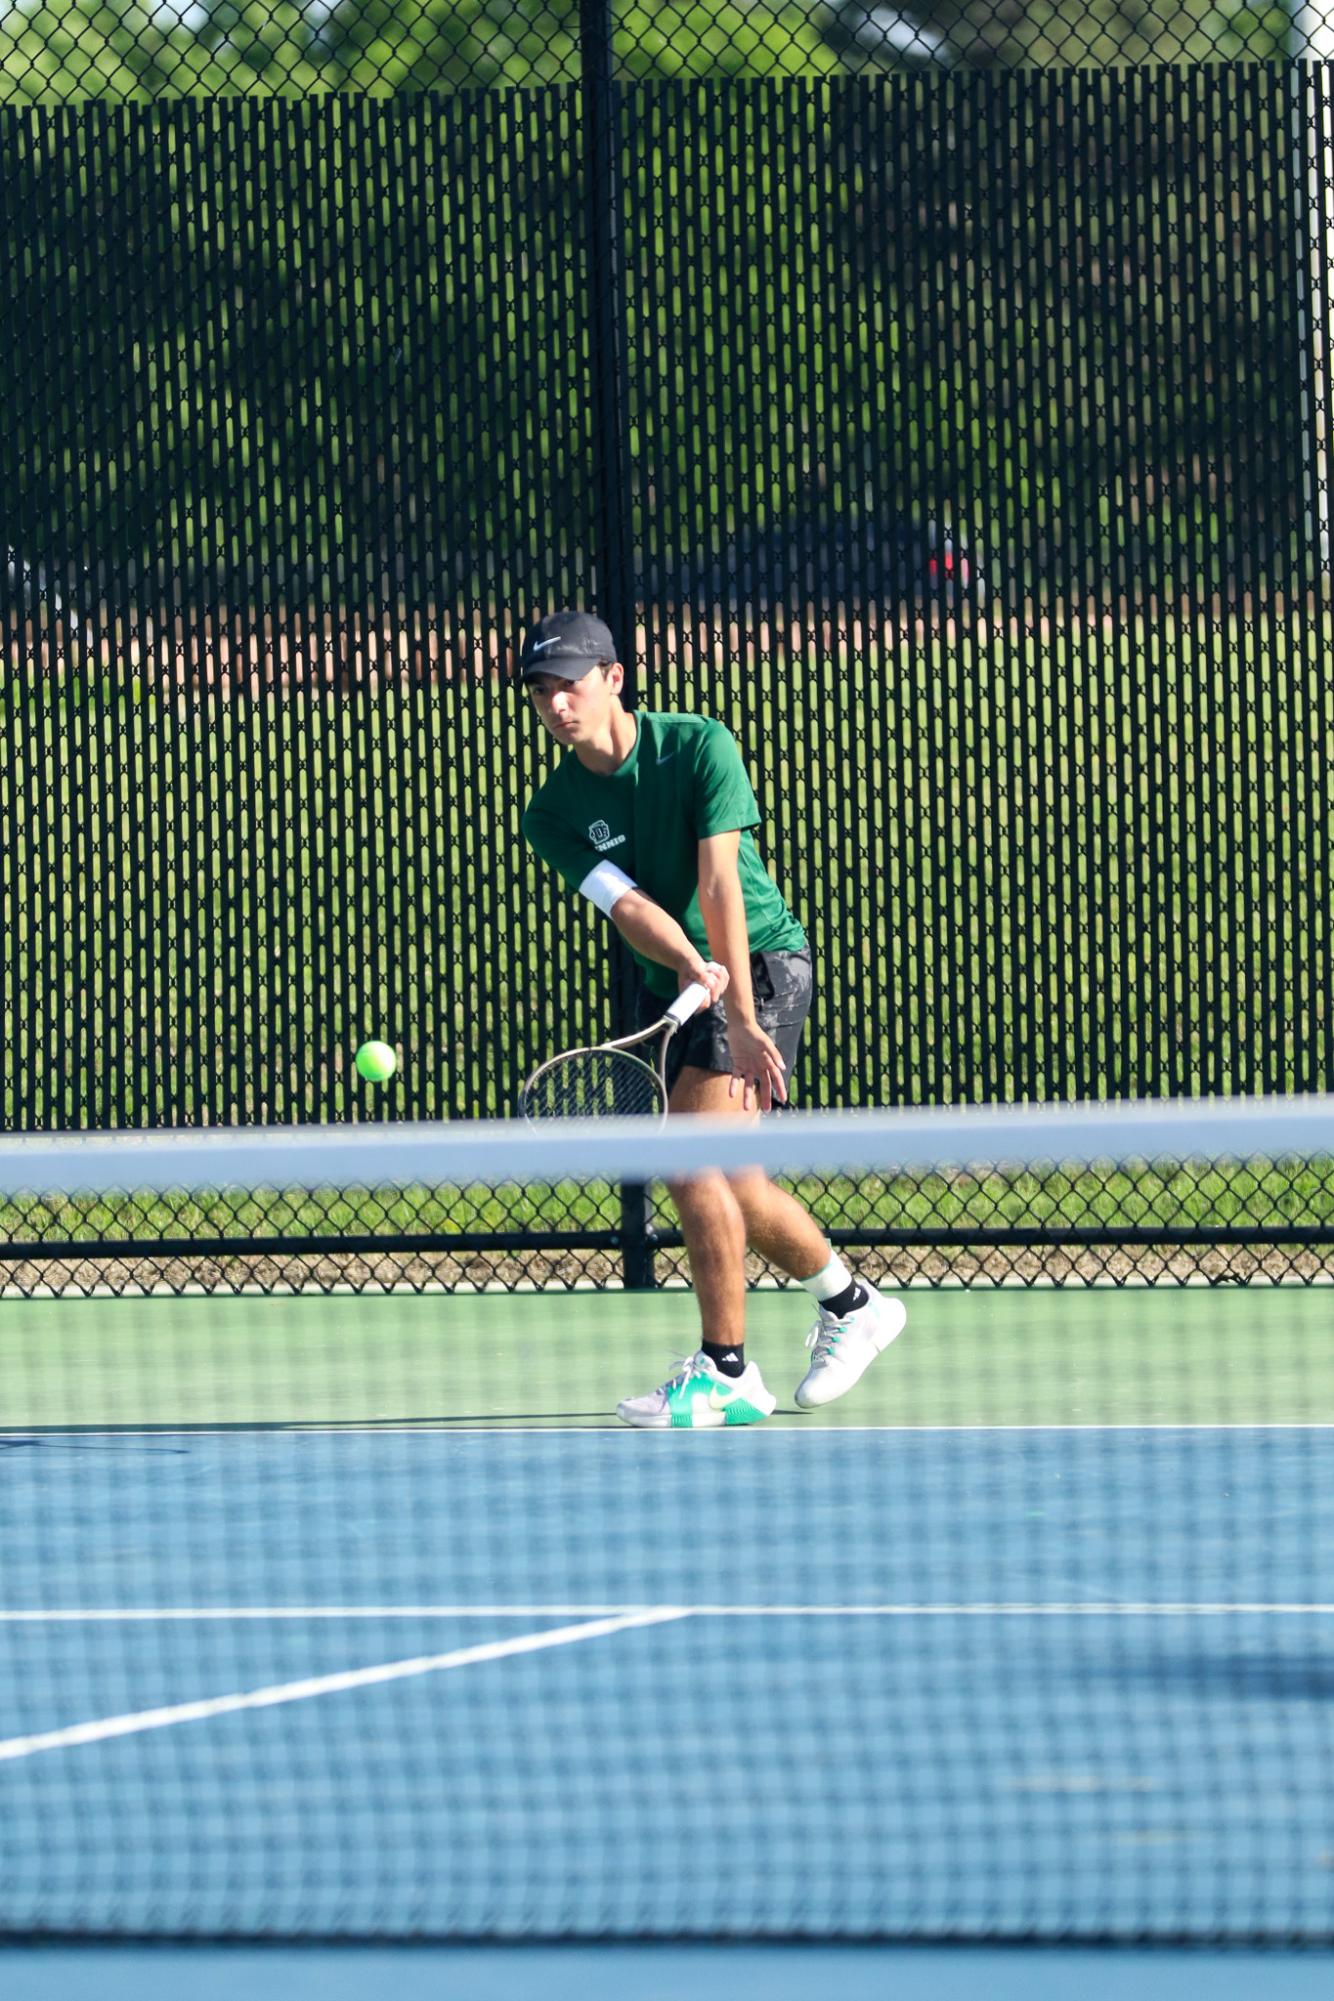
(603, 839)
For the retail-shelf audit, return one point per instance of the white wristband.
(605, 886)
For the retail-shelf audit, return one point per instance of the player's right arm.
(649, 928)
(642, 923)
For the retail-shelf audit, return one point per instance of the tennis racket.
(611, 1081)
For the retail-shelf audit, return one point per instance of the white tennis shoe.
(700, 1397)
(845, 1349)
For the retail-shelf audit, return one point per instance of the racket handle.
(689, 1001)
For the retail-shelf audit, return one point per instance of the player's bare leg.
(714, 1227)
(853, 1323)
(720, 1216)
(715, 1386)
(773, 1222)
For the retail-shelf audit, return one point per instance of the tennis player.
(651, 816)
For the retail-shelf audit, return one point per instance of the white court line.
(328, 1684)
(498, 1428)
(610, 1615)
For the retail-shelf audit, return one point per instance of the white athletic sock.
(828, 1284)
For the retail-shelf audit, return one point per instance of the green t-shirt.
(683, 780)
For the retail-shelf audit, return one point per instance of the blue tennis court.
(1012, 1682)
(657, 1973)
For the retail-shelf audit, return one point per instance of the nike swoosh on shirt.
(668, 758)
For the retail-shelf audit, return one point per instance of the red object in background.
(934, 564)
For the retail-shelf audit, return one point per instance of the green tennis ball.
(376, 1061)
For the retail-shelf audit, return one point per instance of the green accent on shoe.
(741, 1412)
(701, 1401)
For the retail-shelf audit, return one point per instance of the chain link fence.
(65, 51)
(1229, 1223)
(959, 439)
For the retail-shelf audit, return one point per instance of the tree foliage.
(989, 34)
(61, 51)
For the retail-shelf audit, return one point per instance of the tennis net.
(366, 1617)
(314, 1208)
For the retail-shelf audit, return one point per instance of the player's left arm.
(758, 1066)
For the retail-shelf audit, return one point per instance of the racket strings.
(595, 1084)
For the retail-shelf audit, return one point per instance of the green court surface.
(984, 1357)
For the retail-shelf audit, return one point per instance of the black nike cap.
(568, 644)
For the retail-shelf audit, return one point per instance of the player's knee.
(750, 1186)
(702, 1195)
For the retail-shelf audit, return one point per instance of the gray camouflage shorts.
(782, 984)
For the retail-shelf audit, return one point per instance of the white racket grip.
(689, 1001)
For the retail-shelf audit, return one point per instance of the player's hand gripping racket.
(611, 1081)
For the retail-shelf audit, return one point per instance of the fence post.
(612, 550)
